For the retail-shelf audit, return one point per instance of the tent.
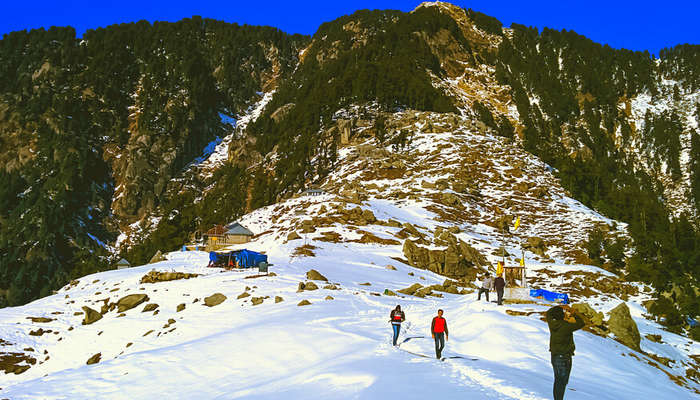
(562, 298)
(238, 258)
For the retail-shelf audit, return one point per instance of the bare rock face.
(411, 289)
(293, 236)
(157, 257)
(624, 327)
(457, 261)
(91, 316)
(214, 299)
(314, 275)
(131, 301)
(156, 276)
(304, 303)
(150, 307)
(180, 307)
(94, 359)
(257, 300)
(594, 317)
(278, 299)
(536, 245)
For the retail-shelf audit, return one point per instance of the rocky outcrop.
(94, 359)
(131, 301)
(156, 276)
(314, 275)
(278, 299)
(624, 327)
(293, 236)
(214, 300)
(591, 316)
(304, 303)
(457, 261)
(411, 289)
(150, 307)
(306, 286)
(257, 300)
(535, 245)
(91, 316)
(157, 257)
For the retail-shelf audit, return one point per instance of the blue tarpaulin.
(562, 298)
(239, 258)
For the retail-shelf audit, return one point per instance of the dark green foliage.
(682, 63)
(67, 103)
(666, 309)
(694, 167)
(485, 23)
(390, 69)
(484, 115)
(694, 333)
(380, 129)
(615, 252)
(594, 246)
(662, 136)
(578, 86)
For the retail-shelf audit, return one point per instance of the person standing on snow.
(439, 331)
(561, 345)
(500, 283)
(396, 318)
(486, 285)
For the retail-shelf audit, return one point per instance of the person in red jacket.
(439, 331)
(396, 318)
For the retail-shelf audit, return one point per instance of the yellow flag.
(522, 262)
(517, 223)
(499, 268)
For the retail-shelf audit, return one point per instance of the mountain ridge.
(551, 93)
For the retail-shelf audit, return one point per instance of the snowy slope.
(340, 348)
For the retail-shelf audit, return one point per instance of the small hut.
(122, 264)
(237, 233)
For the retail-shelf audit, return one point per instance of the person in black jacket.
(396, 318)
(500, 283)
(438, 329)
(561, 345)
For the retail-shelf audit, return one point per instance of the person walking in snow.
(486, 285)
(500, 283)
(561, 345)
(439, 331)
(396, 318)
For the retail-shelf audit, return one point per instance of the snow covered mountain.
(451, 185)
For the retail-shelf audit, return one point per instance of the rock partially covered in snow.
(91, 316)
(214, 300)
(314, 275)
(131, 301)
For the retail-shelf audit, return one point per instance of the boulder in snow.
(624, 327)
(94, 359)
(314, 275)
(131, 301)
(91, 316)
(214, 299)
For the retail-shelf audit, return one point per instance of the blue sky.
(636, 25)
